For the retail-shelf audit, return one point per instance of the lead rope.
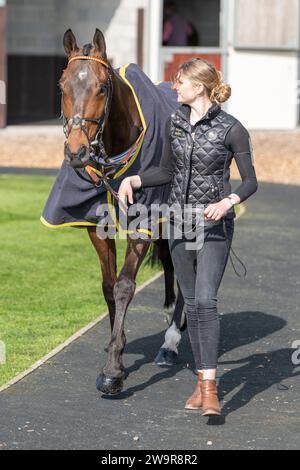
(231, 249)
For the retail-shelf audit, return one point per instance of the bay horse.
(101, 118)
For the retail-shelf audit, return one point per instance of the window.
(203, 17)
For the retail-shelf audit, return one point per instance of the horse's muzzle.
(79, 159)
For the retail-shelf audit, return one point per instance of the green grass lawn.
(50, 283)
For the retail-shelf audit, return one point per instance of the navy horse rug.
(75, 200)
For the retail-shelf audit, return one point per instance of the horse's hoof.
(109, 385)
(166, 357)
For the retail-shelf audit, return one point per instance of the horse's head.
(86, 86)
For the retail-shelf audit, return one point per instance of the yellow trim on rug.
(67, 224)
(115, 220)
(113, 212)
(123, 75)
(132, 160)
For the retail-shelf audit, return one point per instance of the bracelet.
(231, 200)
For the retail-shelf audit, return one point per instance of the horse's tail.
(153, 258)
(159, 254)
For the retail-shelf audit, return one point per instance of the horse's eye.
(101, 92)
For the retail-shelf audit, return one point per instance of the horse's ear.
(70, 42)
(99, 43)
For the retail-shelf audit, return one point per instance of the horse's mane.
(86, 49)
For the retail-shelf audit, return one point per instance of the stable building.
(255, 43)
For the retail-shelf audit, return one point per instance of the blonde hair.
(201, 71)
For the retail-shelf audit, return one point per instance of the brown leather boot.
(195, 400)
(210, 401)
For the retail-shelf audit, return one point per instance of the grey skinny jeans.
(199, 273)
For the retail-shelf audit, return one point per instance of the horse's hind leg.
(168, 353)
(110, 381)
(106, 250)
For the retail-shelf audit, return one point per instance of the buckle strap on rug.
(98, 178)
(118, 161)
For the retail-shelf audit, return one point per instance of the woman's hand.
(127, 187)
(217, 210)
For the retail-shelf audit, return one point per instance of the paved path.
(58, 406)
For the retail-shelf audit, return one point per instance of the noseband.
(97, 150)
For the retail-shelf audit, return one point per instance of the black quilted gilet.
(201, 160)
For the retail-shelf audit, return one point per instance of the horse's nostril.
(78, 159)
(82, 152)
(86, 155)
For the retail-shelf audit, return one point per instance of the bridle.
(96, 146)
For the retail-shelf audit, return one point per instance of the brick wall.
(31, 27)
(36, 27)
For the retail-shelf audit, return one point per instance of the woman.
(202, 140)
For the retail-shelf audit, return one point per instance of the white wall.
(264, 88)
(121, 33)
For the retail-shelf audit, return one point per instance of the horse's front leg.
(106, 250)
(110, 381)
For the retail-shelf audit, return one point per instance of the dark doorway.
(33, 93)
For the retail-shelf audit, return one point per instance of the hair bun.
(200, 71)
(221, 92)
